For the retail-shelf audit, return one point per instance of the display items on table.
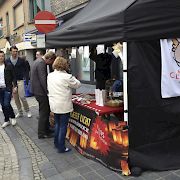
(100, 96)
(114, 94)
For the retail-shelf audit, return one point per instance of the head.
(49, 57)
(2, 57)
(61, 64)
(23, 57)
(14, 51)
(39, 54)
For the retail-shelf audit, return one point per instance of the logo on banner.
(170, 77)
(176, 51)
(100, 135)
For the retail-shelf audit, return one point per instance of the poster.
(98, 138)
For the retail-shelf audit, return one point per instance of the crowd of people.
(51, 84)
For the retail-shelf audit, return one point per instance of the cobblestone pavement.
(9, 168)
(25, 157)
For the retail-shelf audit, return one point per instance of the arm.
(42, 75)
(73, 82)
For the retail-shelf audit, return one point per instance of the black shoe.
(50, 131)
(45, 136)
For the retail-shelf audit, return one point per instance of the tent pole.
(125, 81)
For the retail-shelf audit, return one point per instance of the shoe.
(13, 121)
(29, 115)
(18, 115)
(5, 124)
(64, 151)
(45, 136)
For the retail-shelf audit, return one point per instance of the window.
(18, 15)
(35, 6)
(84, 65)
(7, 24)
(1, 27)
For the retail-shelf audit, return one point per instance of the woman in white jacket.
(60, 85)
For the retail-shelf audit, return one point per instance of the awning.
(105, 21)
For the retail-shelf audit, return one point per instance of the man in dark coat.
(39, 89)
(21, 72)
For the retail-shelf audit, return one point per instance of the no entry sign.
(45, 21)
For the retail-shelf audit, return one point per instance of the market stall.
(154, 128)
(100, 133)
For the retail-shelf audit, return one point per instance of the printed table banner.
(98, 138)
(170, 73)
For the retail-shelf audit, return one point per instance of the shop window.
(1, 27)
(83, 63)
(34, 7)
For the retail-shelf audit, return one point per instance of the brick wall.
(59, 6)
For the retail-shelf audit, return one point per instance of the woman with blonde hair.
(60, 85)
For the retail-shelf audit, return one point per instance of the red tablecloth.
(100, 110)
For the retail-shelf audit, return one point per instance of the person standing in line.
(8, 84)
(21, 72)
(39, 54)
(60, 85)
(38, 83)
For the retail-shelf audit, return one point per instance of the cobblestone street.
(25, 157)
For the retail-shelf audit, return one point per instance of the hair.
(13, 47)
(61, 64)
(50, 55)
(41, 52)
(1, 52)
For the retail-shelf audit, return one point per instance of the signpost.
(45, 21)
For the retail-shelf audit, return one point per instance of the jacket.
(10, 77)
(38, 78)
(60, 85)
(20, 68)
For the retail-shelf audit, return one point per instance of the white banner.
(170, 73)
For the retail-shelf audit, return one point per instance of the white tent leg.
(125, 92)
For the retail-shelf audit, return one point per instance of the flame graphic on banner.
(99, 137)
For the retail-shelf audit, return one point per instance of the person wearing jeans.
(7, 85)
(22, 72)
(61, 123)
(60, 85)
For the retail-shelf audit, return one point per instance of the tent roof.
(107, 21)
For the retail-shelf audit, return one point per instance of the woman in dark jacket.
(8, 85)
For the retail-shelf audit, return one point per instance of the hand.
(15, 90)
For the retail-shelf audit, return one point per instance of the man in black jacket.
(21, 72)
(39, 71)
(7, 85)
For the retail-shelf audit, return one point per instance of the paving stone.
(56, 177)
(50, 172)
(92, 176)
(172, 177)
(113, 177)
(70, 174)
(84, 170)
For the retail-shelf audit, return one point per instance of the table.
(97, 133)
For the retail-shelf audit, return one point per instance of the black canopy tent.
(103, 21)
(154, 123)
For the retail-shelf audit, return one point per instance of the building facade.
(17, 21)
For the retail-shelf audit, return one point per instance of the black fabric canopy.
(106, 21)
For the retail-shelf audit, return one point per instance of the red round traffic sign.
(45, 21)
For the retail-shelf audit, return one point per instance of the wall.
(59, 6)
